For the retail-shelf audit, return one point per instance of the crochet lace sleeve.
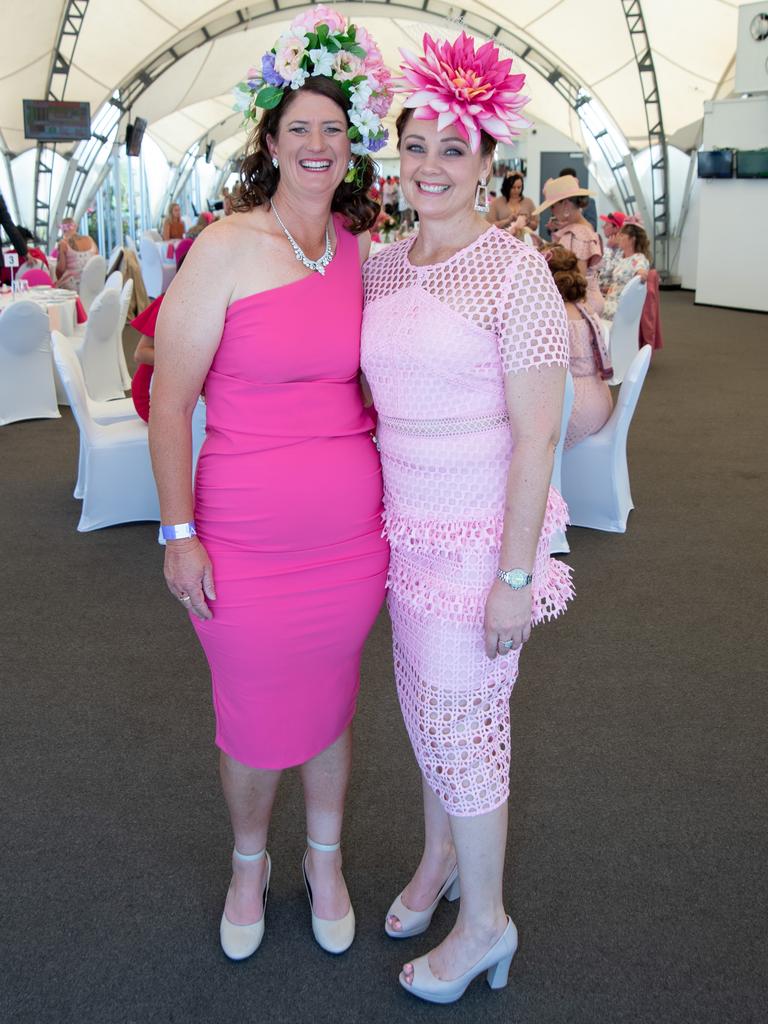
(532, 327)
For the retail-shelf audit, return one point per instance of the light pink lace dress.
(437, 342)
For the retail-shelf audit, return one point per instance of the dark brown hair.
(487, 142)
(259, 179)
(640, 238)
(509, 181)
(564, 267)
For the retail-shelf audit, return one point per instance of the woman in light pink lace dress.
(465, 348)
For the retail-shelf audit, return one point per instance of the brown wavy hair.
(259, 179)
(487, 142)
(640, 238)
(564, 267)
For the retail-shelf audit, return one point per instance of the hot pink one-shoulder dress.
(288, 506)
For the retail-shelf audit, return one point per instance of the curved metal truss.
(58, 74)
(657, 140)
(566, 84)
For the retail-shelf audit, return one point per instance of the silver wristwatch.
(515, 578)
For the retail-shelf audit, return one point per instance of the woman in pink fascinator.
(465, 347)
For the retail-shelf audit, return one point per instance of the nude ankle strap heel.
(414, 922)
(240, 941)
(332, 936)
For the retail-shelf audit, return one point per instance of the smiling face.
(438, 171)
(311, 145)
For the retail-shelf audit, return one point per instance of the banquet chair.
(157, 274)
(625, 329)
(558, 545)
(27, 385)
(152, 234)
(125, 301)
(92, 280)
(595, 475)
(117, 481)
(96, 348)
(114, 281)
(34, 276)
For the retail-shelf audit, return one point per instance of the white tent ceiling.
(693, 44)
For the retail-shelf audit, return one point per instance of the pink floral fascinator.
(473, 90)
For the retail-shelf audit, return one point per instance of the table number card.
(11, 259)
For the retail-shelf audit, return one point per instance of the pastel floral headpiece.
(321, 41)
(473, 90)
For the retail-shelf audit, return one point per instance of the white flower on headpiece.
(360, 94)
(299, 78)
(366, 122)
(322, 58)
(359, 148)
(242, 100)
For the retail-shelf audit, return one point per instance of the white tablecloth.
(57, 303)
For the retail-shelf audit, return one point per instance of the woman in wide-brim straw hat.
(567, 199)
(465, 346)
(265, 317)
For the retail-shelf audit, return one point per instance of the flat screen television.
(52, 121)
(717, 163)
(752, 163)
(134, 133)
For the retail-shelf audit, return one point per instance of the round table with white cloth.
(59, 305)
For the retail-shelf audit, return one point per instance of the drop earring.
(275, 162)
(481, 196)
(351, 165)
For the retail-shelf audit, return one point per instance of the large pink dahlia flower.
(473, 90)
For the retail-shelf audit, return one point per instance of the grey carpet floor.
(638, 843)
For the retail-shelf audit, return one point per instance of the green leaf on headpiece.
(357, 50)
(322, 32)
(352, 133)
(332, 45)
(269, 97)
(351, 33)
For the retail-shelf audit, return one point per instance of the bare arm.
(534, 403)
(145, 351)
(189, 329)
(166, 230)
(364, 246)
(61, 262)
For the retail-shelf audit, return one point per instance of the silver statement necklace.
(320, 264)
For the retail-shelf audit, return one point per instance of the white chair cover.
(153, 234)
(625, 329)
(156, 273)
(117, 481)
(594, 472)
(92, 280)
(114, 281)
(97, 348)
(125, 302)
(27, 384)
(558, 545)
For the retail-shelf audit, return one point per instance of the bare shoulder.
(364, 246)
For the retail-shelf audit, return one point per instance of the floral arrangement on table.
(472, 89)
(321, 41)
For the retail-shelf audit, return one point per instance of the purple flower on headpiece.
(271, 77)
(374, 145)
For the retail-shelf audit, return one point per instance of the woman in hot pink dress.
(465, 347)
(285, 574)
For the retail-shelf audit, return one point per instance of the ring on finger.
(506, 645)
(184, 597)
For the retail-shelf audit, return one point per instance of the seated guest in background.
(568, 201)
(632, 242)
(144, 355)
(173, 226)
(200, 224)
(590, 210)
(612, 224)
(226, 199)
(589, 362)
(34, 252)
(73, 253)
(511, 208)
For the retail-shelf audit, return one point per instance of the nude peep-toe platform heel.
(495, 962)
(332, 936)
(414, 922)
(240, 941)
